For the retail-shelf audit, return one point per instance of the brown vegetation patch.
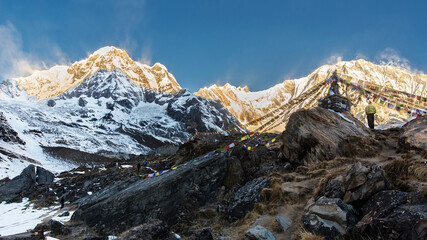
(400, 172)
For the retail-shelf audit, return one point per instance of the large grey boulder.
(329, 217)
(244, 199)
(362, 181)
(259, 233)
(316, 134)
(168, 197)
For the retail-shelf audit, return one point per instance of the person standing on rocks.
(62, 200)
(138, 167)
(370, 111)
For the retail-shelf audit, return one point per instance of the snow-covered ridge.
(108, 115)
(247, 106)
(58, 79)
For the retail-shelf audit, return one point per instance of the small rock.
(259, 233)
(65, 214)
(244, 199)
(204, 234)
(284, 221)
(335, 188)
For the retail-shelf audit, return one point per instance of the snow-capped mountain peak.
(58, 79)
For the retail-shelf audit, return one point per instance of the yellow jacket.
(370, 109)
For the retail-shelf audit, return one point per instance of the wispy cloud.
(15, 62)
(333, 59)
(145, 56)
(391, 57)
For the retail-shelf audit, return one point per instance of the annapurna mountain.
(107, 105)
(288, 96)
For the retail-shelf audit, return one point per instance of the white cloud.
(15, 62)
(333, 59)
(391, 57)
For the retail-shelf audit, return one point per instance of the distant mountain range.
(248, 106)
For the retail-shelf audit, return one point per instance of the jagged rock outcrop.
(13, 190)
(362, 181)
(123, 205)
(316, 134)
(7, 134)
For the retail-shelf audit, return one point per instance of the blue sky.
(254, 43)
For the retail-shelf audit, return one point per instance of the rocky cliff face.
(248, 106)
(59, 79)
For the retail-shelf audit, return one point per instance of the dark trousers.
(371, 123)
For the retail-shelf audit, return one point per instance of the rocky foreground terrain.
(326, 177)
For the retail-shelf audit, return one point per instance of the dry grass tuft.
(260, 208)
(334, 163)
(276, 192)
(302, 234)
(397, 169)
(309, 236)
(419, 171)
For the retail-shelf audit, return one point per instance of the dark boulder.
(315, 135)
(393, 215)
(43, 176)
(82, 102)
(244, 199)
(12, 190)
(57, 228)
(125, 204)
(204, 234)
(362, 181)
(382, 203)
(155, 229)
(335, 188)
(51, 103)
